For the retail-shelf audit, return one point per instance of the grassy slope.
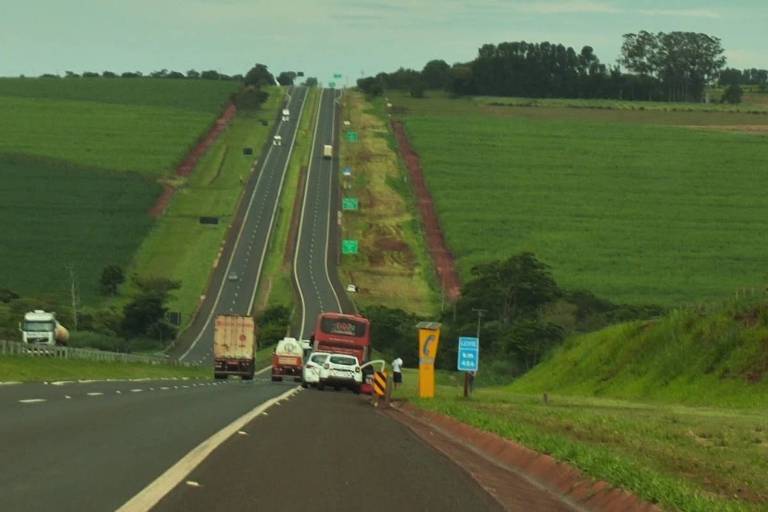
(392, 267)
(27, 369)
(694, 435)
(614, 201)
(179, 247)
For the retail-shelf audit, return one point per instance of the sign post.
(468, 359)
(429, 337)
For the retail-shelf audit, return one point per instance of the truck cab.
(41, 327)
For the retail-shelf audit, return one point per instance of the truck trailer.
(288, 359)
(327, 151)
(234, 346)
(41, 327)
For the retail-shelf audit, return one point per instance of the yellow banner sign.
(428, 341)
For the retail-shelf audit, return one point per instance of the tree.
(145, 314)
(159, 74)
(732, 94)
(250, 98)
(108, 74)
(210, 75)
(370, 86)
(417, 89)
(258, 76)
(90, 74)
(71, 74)
(111, 277)
(131, 74)
(436, 74)
(193, 74)
(286, 78)
(175, 75)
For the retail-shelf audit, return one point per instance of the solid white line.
(95, 393)
(277, 202)
(32, 400)
(162, 485)
(234, 251)
(330, 206)
(10, 383)
(301, 219)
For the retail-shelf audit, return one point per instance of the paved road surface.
(107, 441)
(248, 250)
(316, 249)
(327, 451)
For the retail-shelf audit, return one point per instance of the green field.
(633, 205)
(673, 410)
(178, 246)
(57, 216)
(31, 369)
(79, 160)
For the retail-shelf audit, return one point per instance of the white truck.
(327, 151)
(286, 114)
(42, 327)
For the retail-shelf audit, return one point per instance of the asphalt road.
(91, 447)
(327, 451)
(245, 251)
(317, 245)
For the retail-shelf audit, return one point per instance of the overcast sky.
(345, 36)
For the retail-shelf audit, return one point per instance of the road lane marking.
(162, 485)
(32, 400)
(95, 393)
(138, 390)
(9, 383)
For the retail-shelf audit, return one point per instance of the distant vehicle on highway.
(234, 346)
(313, 369)
(286, 114)
(327, 151)
(340, 333)
(352, 288)
(42, 327)
(341, 370)
(233, 276)
(288, 359)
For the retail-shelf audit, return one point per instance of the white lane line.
(10, 383)
(137, 390)
(301, 219)
(95, 393)
(154, 492)
(32, 400)
(67, 397)
(277, 202)
(164, 388)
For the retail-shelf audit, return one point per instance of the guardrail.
(15, 348)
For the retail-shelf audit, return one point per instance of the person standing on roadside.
(397, 372)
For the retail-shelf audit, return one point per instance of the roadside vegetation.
(37, 369)
(392, 267)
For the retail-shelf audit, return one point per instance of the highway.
(245, 251)
(314, 265)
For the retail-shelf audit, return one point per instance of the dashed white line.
(95, 393)
(32, 400)
(137, 390)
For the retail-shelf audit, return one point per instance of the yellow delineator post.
(380, 383)
(429, 337)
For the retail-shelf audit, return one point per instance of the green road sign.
(331, 84)
(351, 136)
(349, 203)
(349, 247)
(337, 75)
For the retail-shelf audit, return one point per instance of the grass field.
(65, 147)
(618, 202)
(28, 369)
(57, 216)
(178, 246)
(392, 267)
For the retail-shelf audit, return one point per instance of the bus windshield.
(343, 327)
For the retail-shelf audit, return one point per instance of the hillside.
(715, 355)
(639, 206)
(80, 161)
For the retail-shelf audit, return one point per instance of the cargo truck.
(288, 359)
(234, 346)
(41, 327)
(327, 151)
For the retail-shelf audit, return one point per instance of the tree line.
(673, 66)
(524, 314)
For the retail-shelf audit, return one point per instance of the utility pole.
(73, 292)
(467, 384)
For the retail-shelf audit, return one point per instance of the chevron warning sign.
(380, 383)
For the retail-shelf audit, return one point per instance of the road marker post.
(429, 338)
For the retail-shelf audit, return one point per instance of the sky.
(349, 37)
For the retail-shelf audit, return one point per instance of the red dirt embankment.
(442, 258)
(187, 165)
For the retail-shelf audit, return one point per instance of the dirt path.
(442, 257)
(187, 165)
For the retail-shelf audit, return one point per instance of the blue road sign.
(347, 171)
(469, 354)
